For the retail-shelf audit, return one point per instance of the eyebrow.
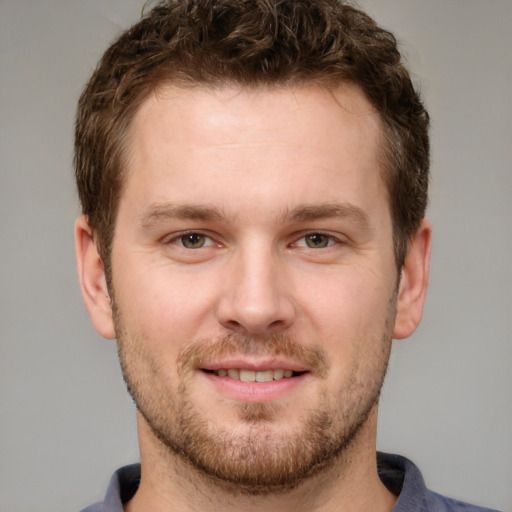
(332, 210)
(162, 212)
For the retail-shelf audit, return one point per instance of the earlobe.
(413, 282)
(91, 275)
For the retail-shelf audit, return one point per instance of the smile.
(254, 376)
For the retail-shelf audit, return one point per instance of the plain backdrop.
(66, 422)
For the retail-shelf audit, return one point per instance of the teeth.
(278, 374)
(252, 376)
(234, 373)
(266, 376)
(247, 376)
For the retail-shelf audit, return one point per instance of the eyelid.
(175, 239)
(335, 239)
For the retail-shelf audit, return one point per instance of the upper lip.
(254, 365)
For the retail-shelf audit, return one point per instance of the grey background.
(65, 420)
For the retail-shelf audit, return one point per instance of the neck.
(350, 484)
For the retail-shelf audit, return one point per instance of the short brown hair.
(250, 43)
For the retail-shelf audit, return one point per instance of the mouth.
(254, 379)
(246, 375)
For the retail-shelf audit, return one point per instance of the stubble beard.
(259, 459)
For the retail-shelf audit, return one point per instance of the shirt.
(397, 473)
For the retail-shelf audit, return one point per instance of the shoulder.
(97, 507)
(445, 504)
(122, 487)
(437, 502)
(403, 478)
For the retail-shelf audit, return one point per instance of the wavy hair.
(251, 43)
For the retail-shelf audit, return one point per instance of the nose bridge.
(254, 299)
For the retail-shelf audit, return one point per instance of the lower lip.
(255, 391)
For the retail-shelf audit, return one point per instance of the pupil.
(317, 240)
(193, 240)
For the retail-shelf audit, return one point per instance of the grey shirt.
(397, 473)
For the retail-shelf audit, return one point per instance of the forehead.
(197, 108)
(252, 141)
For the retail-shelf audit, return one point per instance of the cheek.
(349, 299)
(163, 303)
(348, 316)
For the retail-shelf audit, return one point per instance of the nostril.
(236, 326)
(233, 324)
(255, 311)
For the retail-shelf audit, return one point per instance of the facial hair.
(256, 459)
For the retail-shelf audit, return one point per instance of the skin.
(254, 173)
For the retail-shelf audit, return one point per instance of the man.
(253, 178)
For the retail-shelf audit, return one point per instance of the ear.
(413, 282)
(91, 275)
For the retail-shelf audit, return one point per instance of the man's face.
(254, 243)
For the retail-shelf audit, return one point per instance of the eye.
(193, 240)
(316, 241)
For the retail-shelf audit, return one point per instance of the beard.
(258, 457)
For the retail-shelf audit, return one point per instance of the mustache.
(203, 351)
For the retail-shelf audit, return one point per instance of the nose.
(255, 298)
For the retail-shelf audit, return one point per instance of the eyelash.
(179, 238)
(331, 240)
